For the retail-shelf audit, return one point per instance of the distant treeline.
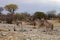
(13, 16)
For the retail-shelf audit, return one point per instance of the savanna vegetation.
(25, 16)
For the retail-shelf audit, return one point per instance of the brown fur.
(32, 23)
(46, 24)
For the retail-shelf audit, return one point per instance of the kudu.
(48, 25)
(45, 23)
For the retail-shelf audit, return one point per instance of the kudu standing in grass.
(45, 23)
(48, 25)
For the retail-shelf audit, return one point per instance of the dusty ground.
(26, 32)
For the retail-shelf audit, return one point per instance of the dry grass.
(34, 34)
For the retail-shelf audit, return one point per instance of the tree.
(1, 9)
(39, 15)
(18, 16)
(26, 15)
(58, 15)
(51, 14)
(11, 8)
